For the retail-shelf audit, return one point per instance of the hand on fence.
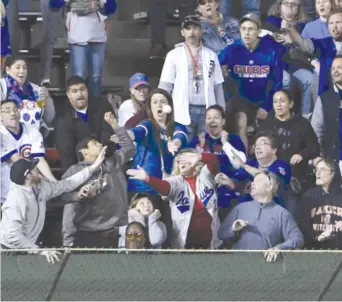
(239, 224)
(51, 256)
(271, 255)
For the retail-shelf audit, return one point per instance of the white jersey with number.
(182, 201)
(28, 143)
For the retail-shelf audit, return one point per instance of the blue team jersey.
(214, 146)
(5, 38)
(253, 70)
(148, 154)
(279, 167)
(325, 50)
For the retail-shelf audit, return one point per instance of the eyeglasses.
(261, 144)
(135, 236)
(322, 170)
(290, 4)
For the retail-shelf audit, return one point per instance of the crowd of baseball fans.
(239, 146)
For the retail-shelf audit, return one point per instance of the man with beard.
(192, 74)
(326, 118)
(84, 116)
(325, 49)
(266, 160)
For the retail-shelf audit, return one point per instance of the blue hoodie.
(253, 70)
(269, 226)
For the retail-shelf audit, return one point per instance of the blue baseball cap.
(138, 79)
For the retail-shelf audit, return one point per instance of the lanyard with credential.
(195, 67)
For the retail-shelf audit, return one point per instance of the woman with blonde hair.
(193, 200)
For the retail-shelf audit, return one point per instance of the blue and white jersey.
(182, 201)
(253, 70)
(148, 154)
(28, 143)
(279, 167)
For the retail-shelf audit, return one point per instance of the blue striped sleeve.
(8, 155)
(141, 131)
(181, 134)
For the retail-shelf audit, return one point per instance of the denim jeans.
(89, 60)
(305, 78)
(197, 117)
(248, 6)
(54, 28)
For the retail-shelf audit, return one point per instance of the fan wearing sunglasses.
(136, 236)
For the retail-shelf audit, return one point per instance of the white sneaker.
(140, 15)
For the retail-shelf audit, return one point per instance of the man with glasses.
(319, 213)
(265, 160)
(19, 140)
(261, 224)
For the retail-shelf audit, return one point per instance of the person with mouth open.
(83, 116)
(219, 142)
(266, 160)
(193, 200)
(325, 49)
(35, 103)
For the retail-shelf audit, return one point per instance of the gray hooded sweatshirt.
(269, 226)
(108, 209)
(23, 213)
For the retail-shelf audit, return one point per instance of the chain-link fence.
(172, 275)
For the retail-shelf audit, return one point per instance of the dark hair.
(271, 135)
(83, 144)
(289, 94)
(334, 12)
(329, 162)
(217, 108)
(170, 123)
(75, 80)
(12, 60)
(8, 101)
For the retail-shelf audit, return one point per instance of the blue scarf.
(18, 94)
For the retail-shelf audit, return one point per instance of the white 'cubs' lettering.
(206, 194)
(181, 200)
(252, 71)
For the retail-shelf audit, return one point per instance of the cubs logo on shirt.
(25, 151)
(252, 71)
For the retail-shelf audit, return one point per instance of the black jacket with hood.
(294, 136)
(318, 211)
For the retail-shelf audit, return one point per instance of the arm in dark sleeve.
(136, 119)
(109, 7)
(277, 79)
(311, 148)
(65, 143)
(159, 185)
(212, 162)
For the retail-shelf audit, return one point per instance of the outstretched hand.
(172, 146)
(138, 173)
(99, 160)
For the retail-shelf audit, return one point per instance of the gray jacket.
(269, 226)
(23, 213)
(108, 209)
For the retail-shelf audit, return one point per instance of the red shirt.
(200, 224)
